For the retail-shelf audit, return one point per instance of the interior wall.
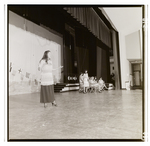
(130, 48)
(27, 43)
(124, 63)
(133, 46)
(141, 45)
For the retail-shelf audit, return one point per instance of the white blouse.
(46, 72)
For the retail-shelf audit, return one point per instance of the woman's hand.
(58, 68)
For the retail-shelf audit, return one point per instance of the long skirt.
(47, 94)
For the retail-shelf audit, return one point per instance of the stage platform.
(64, 87)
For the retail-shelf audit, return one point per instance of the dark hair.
(45, 56)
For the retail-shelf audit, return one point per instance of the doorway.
(136, 71)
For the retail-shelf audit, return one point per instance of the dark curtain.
(67, 62)
(82, 59)
(103, 66)
(99, 62)
(81, 37)
(70, 69)
(86, 51)
(89, 18)
(115, 45)
(92, 57)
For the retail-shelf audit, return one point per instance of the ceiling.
(125, 19)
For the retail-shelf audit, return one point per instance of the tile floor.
(115, 114)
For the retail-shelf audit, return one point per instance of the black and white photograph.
(76, 72)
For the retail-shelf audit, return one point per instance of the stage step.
(63, 87)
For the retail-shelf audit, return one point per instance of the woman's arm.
(57, 68)
(40, 64)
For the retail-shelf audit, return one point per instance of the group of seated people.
(91, 84)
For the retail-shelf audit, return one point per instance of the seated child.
(111, 87)
(93, 82)
(101, 84)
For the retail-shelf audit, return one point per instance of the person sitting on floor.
(102, 85)
(111, 87)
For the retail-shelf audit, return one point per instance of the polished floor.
(115, 114)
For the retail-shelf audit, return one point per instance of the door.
(136, 78)
(136, 68)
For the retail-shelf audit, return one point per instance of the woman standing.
(85, 81)
(47, 83)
